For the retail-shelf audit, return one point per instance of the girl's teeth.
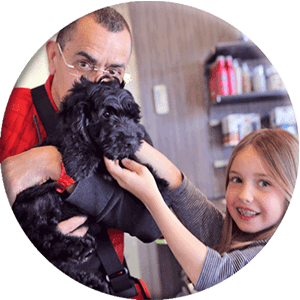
(246, 213)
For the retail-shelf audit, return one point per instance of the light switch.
(161, 101)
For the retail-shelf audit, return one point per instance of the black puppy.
(96, 119)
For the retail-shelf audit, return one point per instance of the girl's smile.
(246, 214)
(253, 199)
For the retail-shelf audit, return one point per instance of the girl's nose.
(246, 193)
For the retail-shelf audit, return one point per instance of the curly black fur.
(96, 119)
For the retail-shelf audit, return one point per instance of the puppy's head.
(103, 117)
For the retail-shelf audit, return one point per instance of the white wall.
(36, 71)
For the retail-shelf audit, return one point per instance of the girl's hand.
(161, 164)
(136, 179)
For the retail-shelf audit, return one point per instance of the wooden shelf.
(244, 50)
(250, 97)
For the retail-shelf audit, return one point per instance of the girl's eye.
(235, 180)
(263, 183)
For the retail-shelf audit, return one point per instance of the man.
(85, 42)
(97, 44)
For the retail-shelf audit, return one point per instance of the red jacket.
(19, 133)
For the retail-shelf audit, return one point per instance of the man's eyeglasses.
(84, 68)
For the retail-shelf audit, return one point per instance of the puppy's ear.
(75, 110)
(79, 127)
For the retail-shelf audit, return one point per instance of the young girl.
(261, 176)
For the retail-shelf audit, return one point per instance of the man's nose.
(95, 76)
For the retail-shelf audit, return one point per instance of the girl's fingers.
(132, 165)
(112, 166)
(132, 173)
(135, 178)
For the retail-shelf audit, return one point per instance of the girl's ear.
(52, 54)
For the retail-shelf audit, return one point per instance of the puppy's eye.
(109, 112)
(106, 114)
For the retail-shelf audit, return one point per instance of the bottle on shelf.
(259, 79)
(213, 81)
(230, 75)
(274, 82)
(238, 77)
(218, 78)
(246, 78)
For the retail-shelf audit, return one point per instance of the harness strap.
(118, 277)
(44, 109)
(49, 120)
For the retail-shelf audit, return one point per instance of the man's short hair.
(108, 17)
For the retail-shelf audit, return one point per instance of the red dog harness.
(64, 181)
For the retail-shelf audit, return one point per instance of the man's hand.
(36, 166)
(69, 226)
(29, 168)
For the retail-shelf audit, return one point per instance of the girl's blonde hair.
(279, 150)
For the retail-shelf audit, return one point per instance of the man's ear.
(52, 54)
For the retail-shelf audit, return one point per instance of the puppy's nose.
(129, 142)
(129, 145)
